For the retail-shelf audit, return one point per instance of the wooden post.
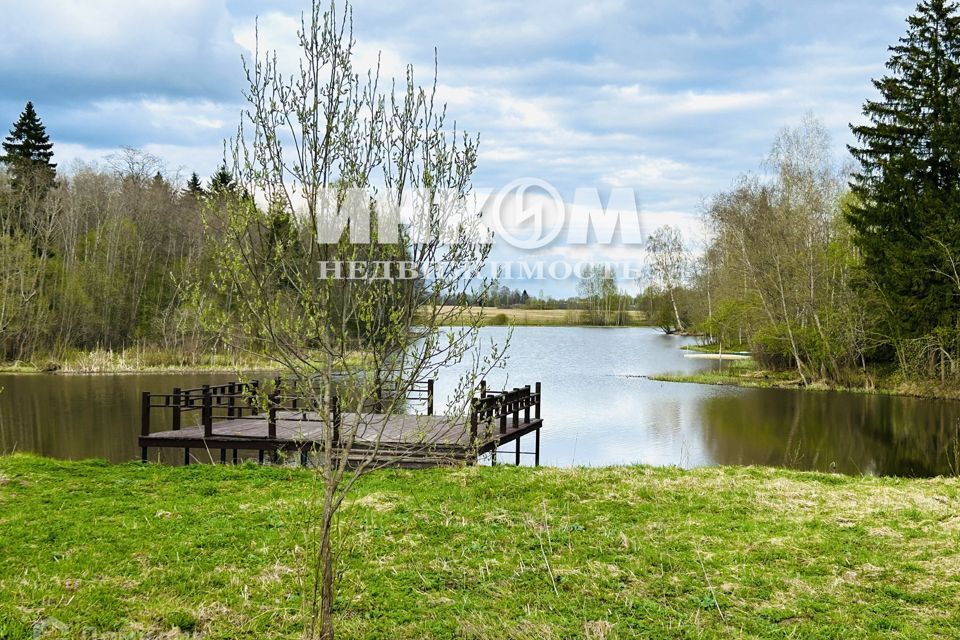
(235, 457)
(231, 391)
(536, 413)
(483, 389)
(223, 456)
(430, 397)
(186, 456)
(502, 409)
(176, 409)
(144, 421)
(260, 456)
(526, 404)
(272, 415)
(518, 452)
(536, 450)
(206, 412)
(145, 413)
(515, 406)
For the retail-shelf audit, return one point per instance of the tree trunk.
(326, 591)
(676, 312)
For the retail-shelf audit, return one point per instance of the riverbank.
(480, 552)
(494, 317)
(139, 360)
(745, 373)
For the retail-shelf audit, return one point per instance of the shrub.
(498, 320)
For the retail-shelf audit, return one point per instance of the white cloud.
(673, 99)
(65, 49)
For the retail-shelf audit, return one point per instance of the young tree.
(668, 262)
(907, 205)
(28, 153)
(346, 180)
(598, 289)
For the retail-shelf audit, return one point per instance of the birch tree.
(667, 264)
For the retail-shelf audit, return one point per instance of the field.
(93, 550)
(494, 316)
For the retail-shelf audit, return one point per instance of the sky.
(670, 99)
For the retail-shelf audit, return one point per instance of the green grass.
(741, 373)
(745, 373)
(481, 553)
(714, 347)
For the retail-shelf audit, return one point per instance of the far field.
(493, 316)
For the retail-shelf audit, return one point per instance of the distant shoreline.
(495, 317)
(743, 372)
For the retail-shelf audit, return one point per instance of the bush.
(498, 320)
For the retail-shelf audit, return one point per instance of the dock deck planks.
(409, 440)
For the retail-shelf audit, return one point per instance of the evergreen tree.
(194, 186)
(222, 181)
(908, 187)
(28, 152)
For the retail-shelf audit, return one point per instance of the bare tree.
(337, 180)
(780, 250)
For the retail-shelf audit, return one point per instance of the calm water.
(598, 409)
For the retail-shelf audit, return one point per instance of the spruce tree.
(194, 186)
(28, 152)
(908, 186)
(222, 181)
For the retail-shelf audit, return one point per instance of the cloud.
(65, 51)
(671, 98)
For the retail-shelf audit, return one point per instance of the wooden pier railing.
(494, 414)
(495, 417)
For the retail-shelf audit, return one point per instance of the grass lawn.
(481, 553)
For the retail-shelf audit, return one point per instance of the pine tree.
(908, 187)
(28, 152)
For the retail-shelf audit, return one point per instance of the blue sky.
(673, 99)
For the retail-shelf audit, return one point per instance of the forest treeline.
(105, 257)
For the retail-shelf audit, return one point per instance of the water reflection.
(851, 433)
(598, 409)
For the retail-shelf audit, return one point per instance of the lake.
(598, 409)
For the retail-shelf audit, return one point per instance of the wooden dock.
(229, 418)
